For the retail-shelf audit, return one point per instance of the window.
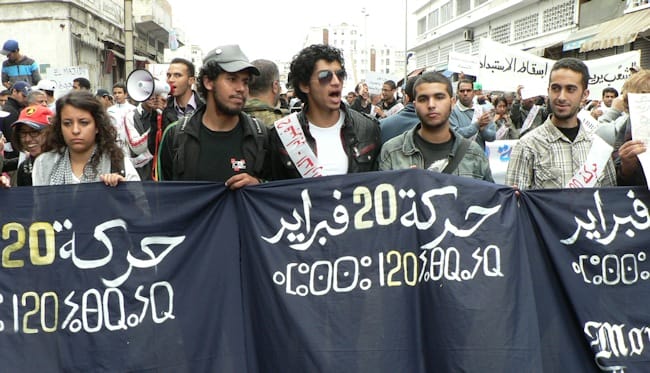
(433, 19)
(462, 6)
(501, 33)
(479, 2)
(527, 27)
(559, 16)
(445, 13)
(422, 25)
(632, 5)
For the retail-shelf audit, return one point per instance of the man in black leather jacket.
(339, 140)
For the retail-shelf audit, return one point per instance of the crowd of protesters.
(230, 122)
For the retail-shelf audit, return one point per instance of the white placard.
(498, 153)
(589, 173)
(63, 77)
(376, 81)
(589, 123)
(639, 104)
(463, 63)
(610, 71)
(503, 68)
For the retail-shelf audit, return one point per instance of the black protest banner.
(378, 272)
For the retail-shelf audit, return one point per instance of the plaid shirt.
(545, 158)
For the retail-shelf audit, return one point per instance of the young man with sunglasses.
(325, 138)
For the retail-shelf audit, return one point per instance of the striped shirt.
(25, 70)
(546, 158)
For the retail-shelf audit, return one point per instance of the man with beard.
(218, 142)
(432, 144)
(326, 137)
(553, 154)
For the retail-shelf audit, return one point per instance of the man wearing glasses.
(18, 67)
(325, 138)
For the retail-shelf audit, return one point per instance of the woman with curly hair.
(82, 146)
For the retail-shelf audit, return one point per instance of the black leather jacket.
(360, 137)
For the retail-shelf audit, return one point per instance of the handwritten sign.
(463, 63)
(63, 77)
(639, 104)
(610, 71)
(295, 143)
(589, 123)
(589, 173)
(498, 153)
(376, 81)
(503, 68)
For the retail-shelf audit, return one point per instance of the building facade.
(586, 29)
(362, 56)
(87, 33)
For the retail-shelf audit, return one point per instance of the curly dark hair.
(106, 138)
(303, 64)
(211, 69)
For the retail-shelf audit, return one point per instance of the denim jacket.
(400, 153)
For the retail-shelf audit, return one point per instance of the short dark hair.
(434, 77)
(303, 64)
(408, 88)
(357, 88)
(191, 70)
(391, 84)
(211, 70)
(83, 82)
(500, 99)
(264, 82)
(120, 85)
(610, 90)
(572, 64)
(465, 81)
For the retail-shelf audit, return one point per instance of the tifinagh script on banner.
(381, 206)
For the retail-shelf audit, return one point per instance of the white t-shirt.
(329, 146)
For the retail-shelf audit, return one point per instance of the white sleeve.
(129, 171)
(42, 168)
(136, 142)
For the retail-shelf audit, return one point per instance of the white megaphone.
(141, 85)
